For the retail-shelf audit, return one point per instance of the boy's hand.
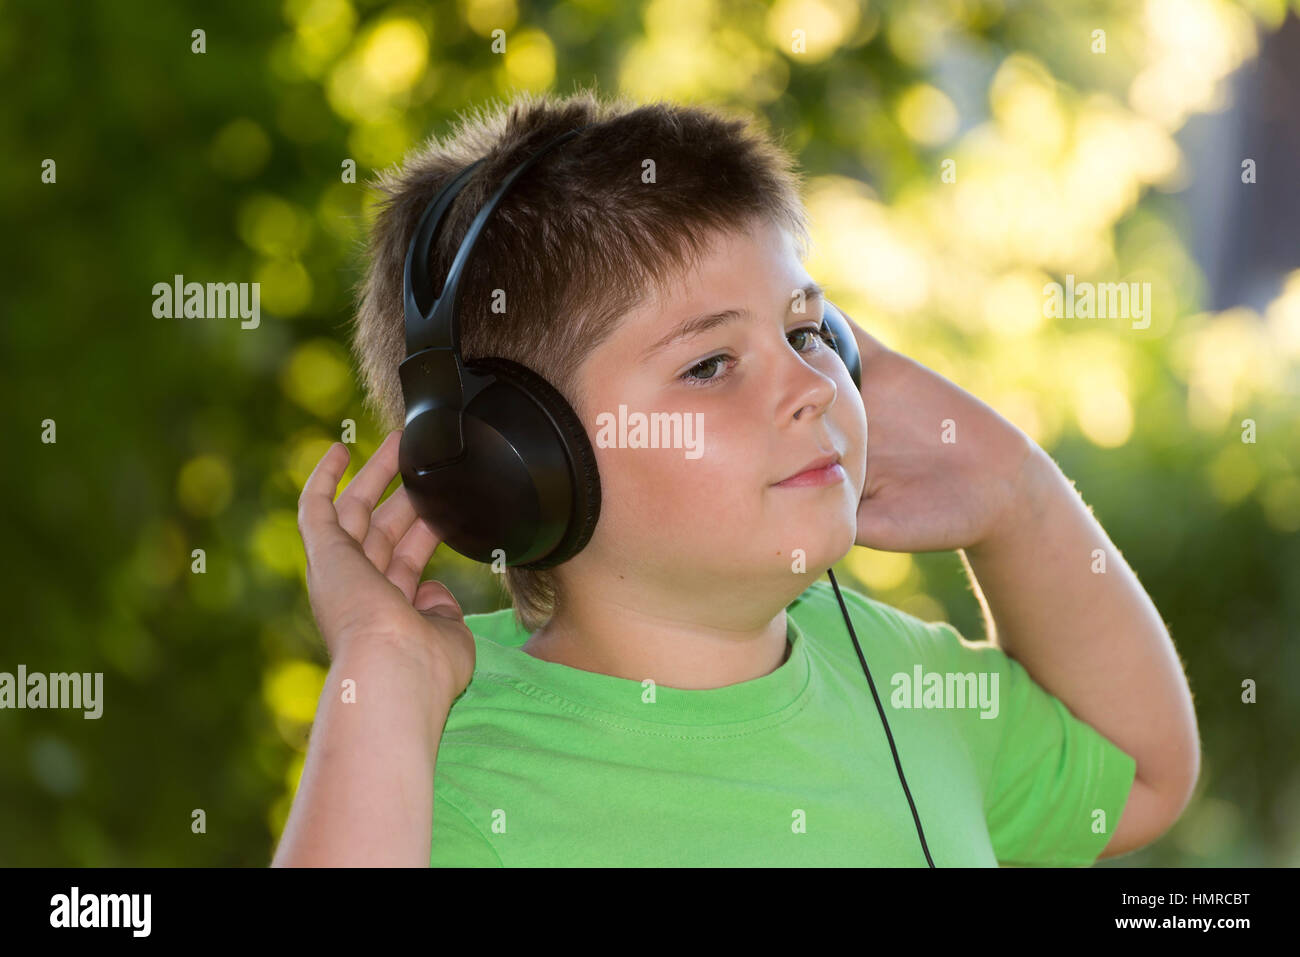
(363, 569)
(924, 494)
(1096, 642)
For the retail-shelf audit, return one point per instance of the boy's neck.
(674, 657)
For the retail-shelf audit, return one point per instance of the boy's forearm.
(366, 794)
(1092, 638)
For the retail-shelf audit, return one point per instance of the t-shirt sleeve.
(456, 841)
(1055, 787)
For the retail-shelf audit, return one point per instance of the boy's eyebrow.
(699, 324)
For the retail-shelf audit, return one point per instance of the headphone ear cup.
(845, 344)
(584, 476)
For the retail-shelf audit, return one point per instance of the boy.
(682, 692)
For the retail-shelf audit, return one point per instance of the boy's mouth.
(824, 470)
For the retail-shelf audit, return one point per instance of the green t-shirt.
(543, 765)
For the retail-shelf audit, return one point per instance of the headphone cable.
(897, 763)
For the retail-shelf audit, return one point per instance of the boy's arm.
(366, 794)
(1092, 638)
(945, 471)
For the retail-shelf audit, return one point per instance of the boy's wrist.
(1038, 483)
(413, 658)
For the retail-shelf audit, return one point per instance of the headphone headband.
(435, 326)
(417, 285)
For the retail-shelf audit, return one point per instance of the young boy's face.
(765, 395)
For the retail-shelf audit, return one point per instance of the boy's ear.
(845, 344)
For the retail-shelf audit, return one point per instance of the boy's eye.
(809, 339)
(818, 333)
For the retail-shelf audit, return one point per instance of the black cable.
(898, 764)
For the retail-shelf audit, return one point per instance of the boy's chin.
(813, 557)
(827, 541)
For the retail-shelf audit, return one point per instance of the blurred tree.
(961, 157)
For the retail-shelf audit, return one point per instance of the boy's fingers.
(433, 597)
(316, 515)
(410, 556)
(389, 523)
(358, 499)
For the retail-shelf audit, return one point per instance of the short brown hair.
(577, 242)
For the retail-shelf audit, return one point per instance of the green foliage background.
(226, 165)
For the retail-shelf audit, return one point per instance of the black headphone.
(493, 457)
